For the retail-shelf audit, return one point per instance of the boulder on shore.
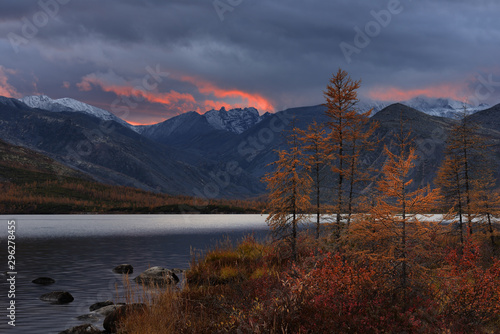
(157, 276)
(57, 297)
(43, 281)
(112, 321)
(100, 313)
(99, 305)
(82, 329)
(106, 310)
(123, 269)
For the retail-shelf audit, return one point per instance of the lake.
(80, 251)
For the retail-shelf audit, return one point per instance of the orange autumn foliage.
(289, 186)
(349, 135)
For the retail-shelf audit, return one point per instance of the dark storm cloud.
(281, 51)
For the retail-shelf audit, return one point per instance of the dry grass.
(213, 290)
(252, 287)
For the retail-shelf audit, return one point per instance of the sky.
(147, 61)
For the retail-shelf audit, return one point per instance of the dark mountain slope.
(106, 150)
(187, 155)
(429, 135)
(190, 132)
(489, 118)
(21, 165)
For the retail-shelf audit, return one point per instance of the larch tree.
(451, 185)
(461, 169)
(360, 141)
(313, 141)
(392, 231)
(486, 199)
(348, 136)
(289, 187)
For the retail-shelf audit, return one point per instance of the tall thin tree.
(289, 187)
(313, 141)
(460, 168)
(486, 199)
(451, 185)
(360, 140)
(392, 229)
(348, 135)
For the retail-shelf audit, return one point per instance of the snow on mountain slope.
(234, 120)
(365, 105)
(67, 104)
(441, 107)
(43, 102)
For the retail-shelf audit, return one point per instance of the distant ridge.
(221, 153)
(67, 104)
(442, 107)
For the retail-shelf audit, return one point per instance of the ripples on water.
(80, 251)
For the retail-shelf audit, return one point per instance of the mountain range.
(69, 105)
(221, 153)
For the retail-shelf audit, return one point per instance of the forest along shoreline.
(377, 265)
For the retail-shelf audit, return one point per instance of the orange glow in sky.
(247, 99)
(151, 96)
(5, 88)
(141, 123)
(216, 97)
(454, 91)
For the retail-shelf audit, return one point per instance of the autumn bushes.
(466, 291)
(254, 287)
(339, 293)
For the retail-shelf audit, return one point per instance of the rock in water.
(157, 276)
(58, 297)
(99, 313)
(124, 269)
(43, 281)
(106, 310)
(99, 305)
(82, 329)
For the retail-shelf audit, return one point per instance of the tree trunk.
(492, 238)
(404, 274)
(467, 190)
(339, 190)
(318, 212)
(351, 188)
(460, 219)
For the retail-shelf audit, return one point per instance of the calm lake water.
(80, 251)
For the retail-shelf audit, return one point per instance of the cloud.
(456, 91)
(246, 99)
(209, 96)
(110, 82)
(5, 88)
(267, 54)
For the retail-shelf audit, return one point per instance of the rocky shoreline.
(108, 312)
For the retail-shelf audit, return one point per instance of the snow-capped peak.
(42, 102)
(234, 120)
(67, 104)
(443, 107)
(365, 105)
